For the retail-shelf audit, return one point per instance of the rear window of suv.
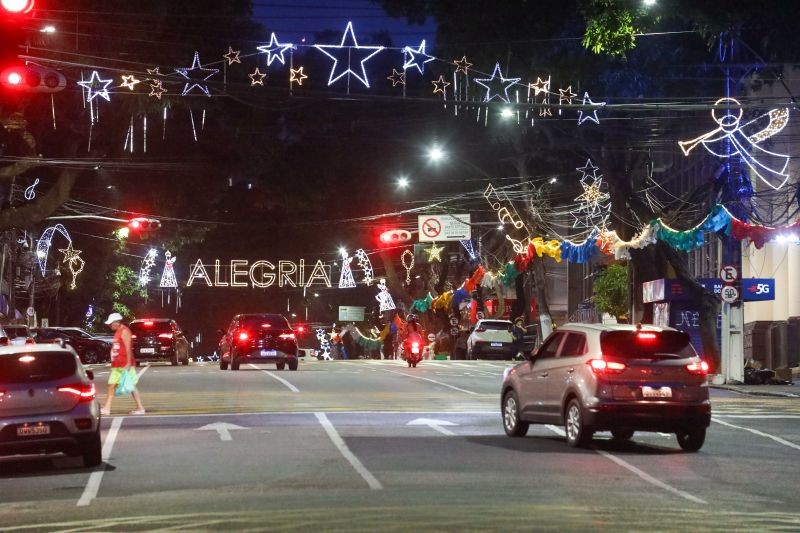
(149, 327)
(646, 344)
(256, 322)
(36, 366)
(496, 325)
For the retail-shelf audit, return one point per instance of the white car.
(491, 339)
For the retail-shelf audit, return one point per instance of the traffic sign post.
(441, 228)
(732, 326)
(729, 294)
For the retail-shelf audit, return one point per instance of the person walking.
(122, 362)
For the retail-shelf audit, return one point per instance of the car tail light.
(3, 341)
(286, 336)
(243, 336)
(646, 336)
(133, 336)
(165, 335)
(148, 323)
(267, 325)
(30, 340)
(301, 329)
(2, 393)
(480, 330)
(699, 368)
(601, 366)
(415, 347)
(83, 391)
(83, 423)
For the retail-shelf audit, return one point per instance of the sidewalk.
(776, 391)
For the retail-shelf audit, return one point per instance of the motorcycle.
(412, 349)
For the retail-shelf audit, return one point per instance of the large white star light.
(589, 116)
(275, 50)
(348, 51)
(92, 84)
(497, 80)
(413, 61)
(195, 75)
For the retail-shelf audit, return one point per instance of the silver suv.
(47, 403)
(622, 378)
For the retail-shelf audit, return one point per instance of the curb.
(746, 392)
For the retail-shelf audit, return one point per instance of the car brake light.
(83, 391)
(286, 336)
(266, 325)
(301, 329)
(165, 335)
(243, 336)
(601, 366)
(30, 340)
(414, 347)
(148, 323)
(480, 330)
(699, 368)
(2, 393)
(646, 336)
(133, 336)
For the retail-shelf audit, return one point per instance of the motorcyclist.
(412, 345)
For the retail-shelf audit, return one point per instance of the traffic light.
(33, 79)
(17, 7)
(139, 227)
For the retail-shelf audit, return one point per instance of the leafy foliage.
(610, 28)
(610, 291)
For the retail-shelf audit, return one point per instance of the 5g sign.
(758, 289)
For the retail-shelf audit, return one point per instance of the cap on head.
(114, 317)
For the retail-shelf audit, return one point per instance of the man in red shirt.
(122, 361)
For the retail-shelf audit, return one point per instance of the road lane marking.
(289, 385)
(432, 381)
(642, 474)
(339, 442)
(759, 433)
(93, 485)
(760, 417)
(142, 371)
(262, 413)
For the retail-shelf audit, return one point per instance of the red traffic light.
(17, 7)
(33, 79)
(144, 224)
(395, 236)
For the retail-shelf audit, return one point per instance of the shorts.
(116, 375)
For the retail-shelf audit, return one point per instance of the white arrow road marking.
(434, 424)
(93, 485)
(759, 433)
(222, 428)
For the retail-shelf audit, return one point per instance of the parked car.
(258, 338)
(610, 377)
(491, 339)
(47, 403)
(17, 334)
(159, 339)
(90, 350)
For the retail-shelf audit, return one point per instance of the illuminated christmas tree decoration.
(434, 253)
(130, 82)
(470, 248)
(366, 265)
(297, 76)
(196, 74)
(384, 298)
(416, 58)
(407, 264)
(30, 191)
(148, 263)
(257, 77)
(588, 168)
(346, 280)
(594, 208)
(274, 50)
(157, 89)
(397, 78)
(344, 52)
(74, 262)
(744, 139)
(565, 96)
(168, 276)
(462, 65)
(199, 272)
(496, 84)
(232, 56)
(589, 116)
(92, 84)
(440, 85)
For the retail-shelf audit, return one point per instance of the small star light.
(297, 76)
(397, 77)
(497, 81)
(348, 51)
(434, 253)
(92, 85)
(195, 74)
(588, 168)
(589, 116)
(157, 89)
(274, 50)
(154, 71)
(232, 56)
(440, 85)
(73, 259)
(462, 65)
(148, 263)
(257, 77)
(413, 60)
(565, 96)
(130, 82)
(541, 86)
(366, 265)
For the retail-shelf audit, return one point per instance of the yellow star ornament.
(434, 253)
(73, 259)
(297, 76)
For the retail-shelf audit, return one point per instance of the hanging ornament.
(594, 207)
(470, 248)
(297, 76)
(274, 50)
(434, 253)
(589, 116)
(497, 86)
(462, 65)
(416, 58)
(440, 85)
(407, 265)
(232, 56)
(397, 77)
(168, 276)
(384, 298)
(157, 89)
(366, 265)
(257, 77)
(44, 242)
(148, 263)
(74, 262)
(565, 96)
(30, 191)
(130, 82)
(92, 86)
(347, 52)
(346, 280)
(196, 74)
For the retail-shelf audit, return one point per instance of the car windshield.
(496, 325)
(77, 333)
(36, 366)
(646, 344)
(147, 327)
(264, 321)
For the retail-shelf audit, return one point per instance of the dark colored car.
(90, 350)
(159, 339)
(258, 338)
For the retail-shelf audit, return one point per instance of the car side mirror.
(90, 374)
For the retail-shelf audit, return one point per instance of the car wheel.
(93, 450)
(414, 365)
(691, 440)
(280, 366)
(622, 434)
(293, 364)
(578, 435)
(91, 358)
(512, 424)
(223, 365)
(234, 363)
(174, 361)
(470, 355)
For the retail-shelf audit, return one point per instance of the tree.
(610, 291)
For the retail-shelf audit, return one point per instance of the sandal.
(137, 412)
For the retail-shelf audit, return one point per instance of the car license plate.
(497, 344)
(148, 350)
(660, 392)
(29, 431)
(267, 353)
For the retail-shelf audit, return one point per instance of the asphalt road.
(374, 445)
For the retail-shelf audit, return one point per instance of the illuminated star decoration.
(440, 85)
(413, 60)
(74, 262)
(497, 81)
(565, 96)
(594, 209)
(232, 56)
(148, 263)
(257, 77)
(434, 253)
(744, 139)
(541, 86)
(130, 82)
(195, 74)
(346, 52)
(157, 89)
(589, 116)
(397, 77)
(366, 265)
(462, 65)
(588, 168)
(274, 50)
(297, 76)
(384, 298)
(92, 85)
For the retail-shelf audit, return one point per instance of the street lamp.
(507, 112)
(649, 3)
(402, 182)
(436, 153)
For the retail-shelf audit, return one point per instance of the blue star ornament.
(583, 117)
(347, 52)
(497, 81)
(416, 58)
(195, 75)
(92, 84)
(275, 50)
